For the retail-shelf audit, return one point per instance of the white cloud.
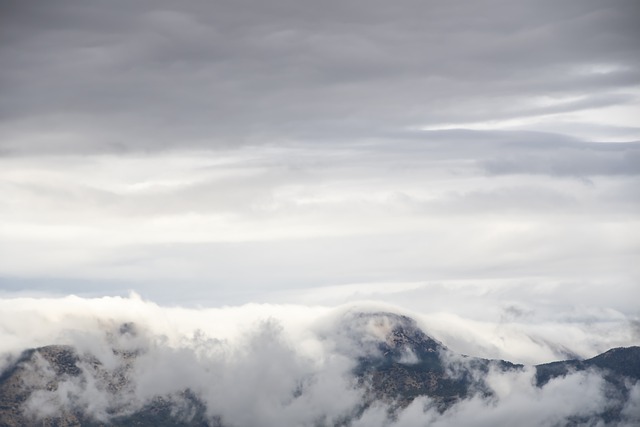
(306, 216)
(292, 362)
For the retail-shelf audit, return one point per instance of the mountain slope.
(393, 363)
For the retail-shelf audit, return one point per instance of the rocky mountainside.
(396, 363)
(409, 364)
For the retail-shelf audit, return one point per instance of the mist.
(269, 365)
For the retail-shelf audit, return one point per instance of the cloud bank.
(261, 365)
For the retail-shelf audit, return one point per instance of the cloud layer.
(292, 363)
(156, 75)
(241, 149)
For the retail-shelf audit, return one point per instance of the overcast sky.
(481, 157)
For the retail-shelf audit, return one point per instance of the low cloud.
(261, 365)
(577, 397)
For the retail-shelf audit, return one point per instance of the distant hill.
(401, 363)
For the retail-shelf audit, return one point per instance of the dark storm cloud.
(112, 76)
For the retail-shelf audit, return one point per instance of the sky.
(233, 178)
(478, 160)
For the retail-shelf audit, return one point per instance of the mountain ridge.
(397, 363)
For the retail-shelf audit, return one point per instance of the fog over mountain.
(130, 362)
(195, 193)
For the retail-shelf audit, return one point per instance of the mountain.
(407, 364)
(24, 378)
(395, 362)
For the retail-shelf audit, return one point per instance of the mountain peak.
(392, 363)
(386, 332)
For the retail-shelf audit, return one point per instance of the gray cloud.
(96, 77)
(578, 160)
